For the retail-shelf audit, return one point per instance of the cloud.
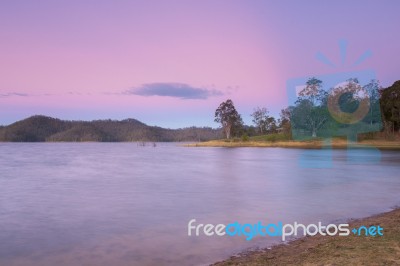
(177, 90)
(10, 94)
(22, 94)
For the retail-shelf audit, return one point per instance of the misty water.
(123, 204)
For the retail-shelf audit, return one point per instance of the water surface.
(122, 204)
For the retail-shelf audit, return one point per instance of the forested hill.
(41, 128)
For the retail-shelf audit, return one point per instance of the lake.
(124, 204)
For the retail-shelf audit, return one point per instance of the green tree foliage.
(310, 112)
(373, 89)
(271, 125)
(249, 130)
(229, 118)
(390, 106)
(346, 110)
(284, 122)
(358, 108)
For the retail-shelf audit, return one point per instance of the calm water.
(120, 204)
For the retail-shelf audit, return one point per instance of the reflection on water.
(120, 204)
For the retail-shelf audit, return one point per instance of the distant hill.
(40, 128)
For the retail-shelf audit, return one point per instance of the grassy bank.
(277, 140)
(336, 250)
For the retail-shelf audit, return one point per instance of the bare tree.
(260, 119)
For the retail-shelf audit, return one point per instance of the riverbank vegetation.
(350, 111)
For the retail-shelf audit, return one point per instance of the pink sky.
(78, 59)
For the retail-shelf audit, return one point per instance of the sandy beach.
(311, 144)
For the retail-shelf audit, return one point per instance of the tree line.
(233, 126)
(345, 110)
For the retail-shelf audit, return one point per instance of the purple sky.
(170, 63)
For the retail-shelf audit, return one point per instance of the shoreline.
(333, 250)
(311, 144)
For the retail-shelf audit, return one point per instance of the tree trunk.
(314, 133)
(228, 131)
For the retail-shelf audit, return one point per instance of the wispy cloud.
(11, 94)
(177, 90)
(23, 94)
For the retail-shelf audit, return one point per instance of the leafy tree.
(310, 112)
(271, 125)
(260, 119)
(390, 105)
(373, 88)
(238, 128)
(284, 121)
(249, 130)
(229, 118)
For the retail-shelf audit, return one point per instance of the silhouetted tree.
(260, 119)
(271, 125)
(284, 121)
(390, 105)
(229, 118)
(310, 112)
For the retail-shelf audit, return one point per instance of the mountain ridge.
(40, 128)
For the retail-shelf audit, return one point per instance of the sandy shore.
(336, 250)
(312, 144)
